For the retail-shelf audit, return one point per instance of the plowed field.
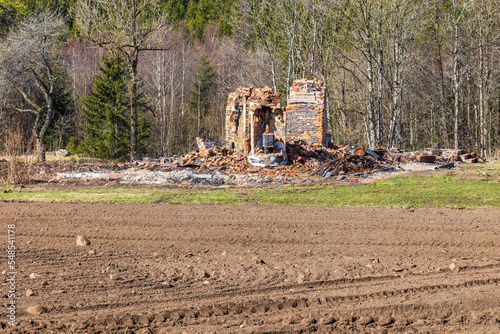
(160, 268)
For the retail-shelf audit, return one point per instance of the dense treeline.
(113, 84)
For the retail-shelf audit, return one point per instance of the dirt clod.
(327, 321)
(36, 310)
(82, 241)
(365, 320)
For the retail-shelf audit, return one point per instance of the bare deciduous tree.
(124, 28)
(30, 54)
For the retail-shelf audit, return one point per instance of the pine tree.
(199, 102)
(106, 114)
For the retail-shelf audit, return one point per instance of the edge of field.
(474, 186)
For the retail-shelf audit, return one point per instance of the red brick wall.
(306, 112)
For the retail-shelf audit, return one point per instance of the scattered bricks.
(450, 154)
(444, 158)
(221, 158)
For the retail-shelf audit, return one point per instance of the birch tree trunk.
(396, 96)
(456, 85)
(482, 124)
(371, 105)
(444, 130)
(380, 67)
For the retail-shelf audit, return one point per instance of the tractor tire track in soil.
(160, 268)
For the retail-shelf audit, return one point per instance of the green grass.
(465, 189)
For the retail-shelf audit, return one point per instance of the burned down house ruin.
(257, 124)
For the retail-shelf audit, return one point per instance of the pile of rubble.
(442, 156)
(316, 160)
(218, 165)
(303, 161)
(215, 157)
(338, 160)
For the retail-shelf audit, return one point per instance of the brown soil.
(253, 269)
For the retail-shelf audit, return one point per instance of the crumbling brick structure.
(251, 113)
(306, 112)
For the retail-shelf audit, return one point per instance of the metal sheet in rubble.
(268, 160)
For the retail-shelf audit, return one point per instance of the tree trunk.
(482, 123)
(444, 130)
(48, 93)
(183, 77)
(370, 124)
(158, 73)
(379, 96)
(380, 78)
(133, 108)
(396, 97)
(456, 86)
(40, 139)
(371, 104)
(171, 113)
(199, 111)
(313, 52)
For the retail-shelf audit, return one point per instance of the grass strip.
(450, 190)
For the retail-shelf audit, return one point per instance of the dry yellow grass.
(48, 158)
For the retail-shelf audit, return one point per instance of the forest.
(121, 80)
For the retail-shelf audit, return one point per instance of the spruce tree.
(106, 114)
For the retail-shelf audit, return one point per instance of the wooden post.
(252, 132)
(244, 115)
